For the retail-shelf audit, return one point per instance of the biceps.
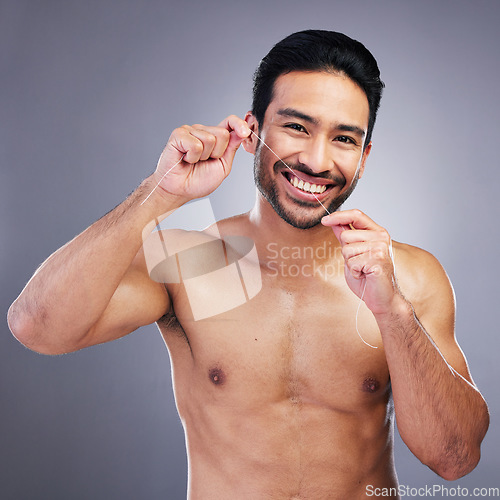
(137, 301)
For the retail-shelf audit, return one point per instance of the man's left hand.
(367, 252)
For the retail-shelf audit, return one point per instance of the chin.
(312, 213)
(300, 222)
(307, 220)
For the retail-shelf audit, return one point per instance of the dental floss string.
(163, 177)
(357, 313)
(364, 287)
(288, 168)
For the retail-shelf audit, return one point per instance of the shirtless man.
(279, 397)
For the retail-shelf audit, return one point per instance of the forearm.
(441, 416)
(73, 287)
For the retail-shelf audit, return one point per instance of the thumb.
(238, 132)
(337, 231)
(235, 141)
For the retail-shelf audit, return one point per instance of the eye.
(295, 126)
(345, 139)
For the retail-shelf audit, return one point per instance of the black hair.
(318, 50)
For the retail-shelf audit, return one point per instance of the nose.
(316, 155)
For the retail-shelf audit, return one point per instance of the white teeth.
(306, 186)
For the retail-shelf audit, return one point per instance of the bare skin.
(280, 397)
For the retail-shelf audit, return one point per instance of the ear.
(250, 143)
(364, 157)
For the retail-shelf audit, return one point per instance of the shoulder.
(237, 225)
(422, 279)
(415, 261)
(174, 253)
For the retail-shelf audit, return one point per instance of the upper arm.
(137, 301)
(430, 291)
(142, 296)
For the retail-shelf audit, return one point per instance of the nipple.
(216, 376)
(371, 384)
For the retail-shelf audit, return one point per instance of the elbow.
(24, 329)
(454, 471)
(20, 324)
(462, 458)
(459, 453)
(453, 466)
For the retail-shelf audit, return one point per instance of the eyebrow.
(351, 128)
(294, 113)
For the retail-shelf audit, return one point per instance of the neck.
(269, 227)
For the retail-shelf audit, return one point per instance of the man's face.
(316, 123)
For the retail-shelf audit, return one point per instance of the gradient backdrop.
(90, 91)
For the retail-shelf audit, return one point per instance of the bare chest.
(296, 341)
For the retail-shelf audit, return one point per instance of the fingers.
(366, 246)
(350, 226)
(200, 142)
(370, 252)
(358, 267)
(239, 131)
(235, 124)
(351, 236)
(355, 217)
(214, 141)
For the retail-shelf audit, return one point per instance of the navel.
(216, 376)
(371, 384)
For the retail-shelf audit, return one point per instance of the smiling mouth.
(306, 187)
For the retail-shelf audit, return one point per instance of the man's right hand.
(204, 156)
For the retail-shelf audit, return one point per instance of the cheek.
(263, 166)
(266, 160)
(352, 156)
(283, 145)
(348, 162)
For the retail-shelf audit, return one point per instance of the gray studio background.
(90, 92)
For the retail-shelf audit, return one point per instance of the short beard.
(268, 190)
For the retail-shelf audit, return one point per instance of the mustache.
(300, 167)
